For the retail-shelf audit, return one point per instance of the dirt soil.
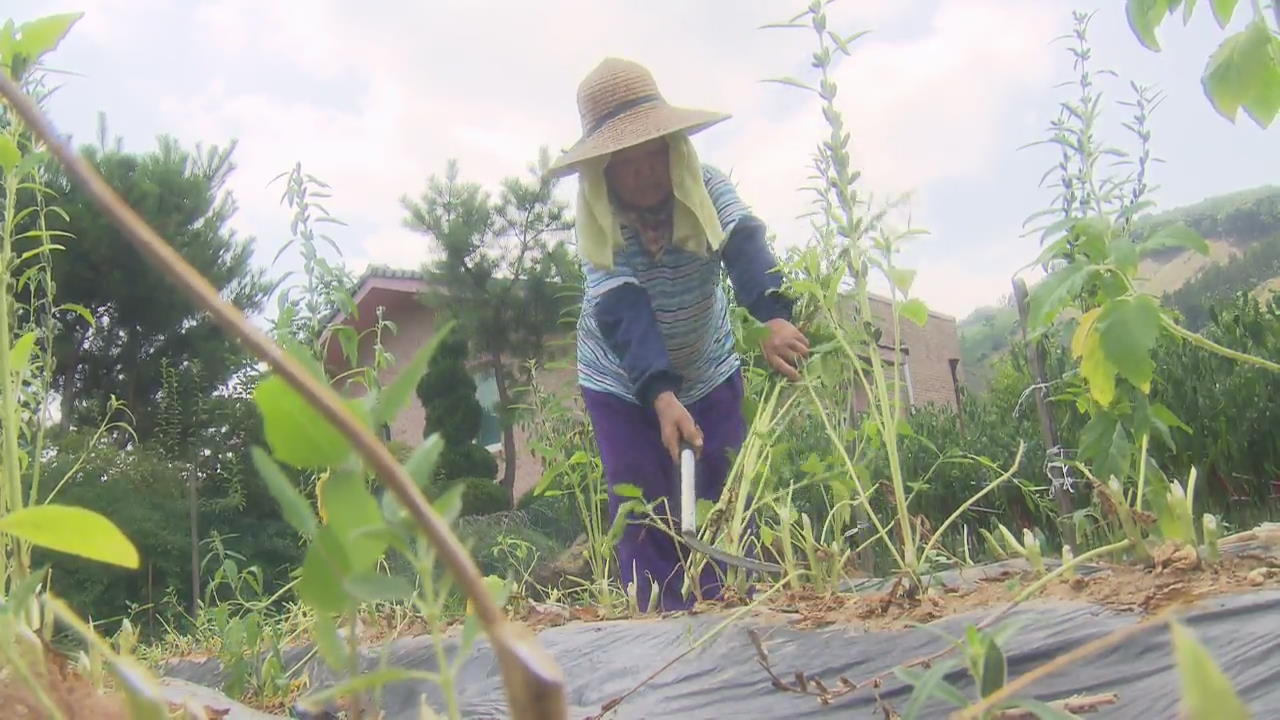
(1175, 578)
(1118, 587)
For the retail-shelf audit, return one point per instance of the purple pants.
(632, 452)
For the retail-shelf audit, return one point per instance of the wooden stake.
(1048, 428)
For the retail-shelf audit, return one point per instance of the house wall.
(931, 350)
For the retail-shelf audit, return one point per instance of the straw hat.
(620, 106)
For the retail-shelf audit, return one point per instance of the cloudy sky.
(374, 97)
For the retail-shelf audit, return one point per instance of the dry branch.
(804, 684)
(1074, 706)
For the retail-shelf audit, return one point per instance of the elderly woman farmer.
(656, 358)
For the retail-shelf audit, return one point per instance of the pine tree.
(502, 267)
(448, 395)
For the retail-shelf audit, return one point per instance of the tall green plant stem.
(47, 365)
(879, 395)
(1205, 343)
(863, 496)
(9, 419)
(753, 461)
(1040, 584)
(887, 411)
(1195, 338)
(1142, 470)
(937, 534)
(432, 605)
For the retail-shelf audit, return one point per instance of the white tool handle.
(688, 497)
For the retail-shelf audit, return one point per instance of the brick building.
(931, 356)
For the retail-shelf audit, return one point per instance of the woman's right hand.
(676, 425)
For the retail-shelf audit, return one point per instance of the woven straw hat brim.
(632, 128)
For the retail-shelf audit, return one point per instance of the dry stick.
(1090, 648)
(534, 682)
(1075, 706)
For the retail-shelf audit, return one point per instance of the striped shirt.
(682, 294)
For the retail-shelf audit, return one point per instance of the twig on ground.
(1074, 706)
(804, 685)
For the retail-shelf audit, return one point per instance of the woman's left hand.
(785, 347)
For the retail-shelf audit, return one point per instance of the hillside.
(1243, 233)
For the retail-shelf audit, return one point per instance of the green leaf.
(421, 465)
(1166, 416)
(628, 490)
(1115, 461)
(1144, 17)
(297, 433)
(1177, 235)
(1098, 370)
(449, 503)
(924, 687)
(499, 591)
(72, 530)
(349, 508)
(1127, 329)
(329, 642)
(1264, 105)
(1097, 436)
(792, 82)
(916, 311)
(1188, 7)
(1206, 691)
(41, 36)
(10, 156)
(324, 570)
(373, 586)
(994, 667)
(1090, 236)
(1124, 255)
(395, 396)
(20, 354)
(1052, 294)
(80, 310)
(902, 278)
(1245, 71)
(1163, 420)
(294, 506)
(1222, 11)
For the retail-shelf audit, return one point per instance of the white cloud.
(374, 103)
(919, 110)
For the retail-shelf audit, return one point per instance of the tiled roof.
(386, 271)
